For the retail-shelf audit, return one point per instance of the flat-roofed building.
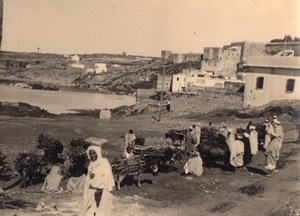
(270, 78)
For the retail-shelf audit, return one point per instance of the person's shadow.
(256, 170)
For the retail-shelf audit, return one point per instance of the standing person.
(97, 196)
(190, 141)
(197, 130)
(269, 131)
(273, 150)
(253, 137)
(129, 138)
(237, 152)
(247, 149)
(169, 105)
(279, 131)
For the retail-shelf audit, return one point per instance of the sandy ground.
(216, 192)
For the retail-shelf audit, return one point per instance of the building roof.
(274, 61)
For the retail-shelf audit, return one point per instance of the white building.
(183, 82)
(270, 78)
(100, 67)
(75, 58)
(77, 65)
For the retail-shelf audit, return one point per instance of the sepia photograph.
(149, 108)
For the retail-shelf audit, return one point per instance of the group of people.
(98, 184)
(244, 146)
(194, 164)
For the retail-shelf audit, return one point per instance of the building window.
(177, 78)
(259, 82)
(290, 85)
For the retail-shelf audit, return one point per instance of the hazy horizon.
(143, 27)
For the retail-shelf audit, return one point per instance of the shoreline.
(8, 81)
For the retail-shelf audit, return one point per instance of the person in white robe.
(52, 183)
(237, 152)
(99, 184)
(269, 131)
(128, 153)
(273, 150)
(253, 138)
(130, 138)
(76, 184)
(197, 130)
(194, 165)
(230, 139)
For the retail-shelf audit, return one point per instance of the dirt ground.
(216, 192)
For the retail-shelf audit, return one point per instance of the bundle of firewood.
(31, 168)
(211, 137)
(176, 135)
(150, 151)
(52, 148)
(76, 157)
(131, 166)
(144, 157)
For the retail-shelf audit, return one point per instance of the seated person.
(52, 181)
(194, 165)
(76, 182)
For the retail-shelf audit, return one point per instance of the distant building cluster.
(272, 70)
(75, 65)
(224, 61)
(176, 58)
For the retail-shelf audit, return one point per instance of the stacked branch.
(210, 136)
(152, 158)
(52, 148)
(76, 157)
(31, 168)
(131, 166)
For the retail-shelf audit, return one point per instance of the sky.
(143, 27)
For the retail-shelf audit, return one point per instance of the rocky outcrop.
(17, 109)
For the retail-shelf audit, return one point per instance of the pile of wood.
(139, 140)
(210, 136)
(145, 158)
(131, 166)
(212, 145)
(76, 157)
(30, 168)
(52, 148)
(176, 135)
